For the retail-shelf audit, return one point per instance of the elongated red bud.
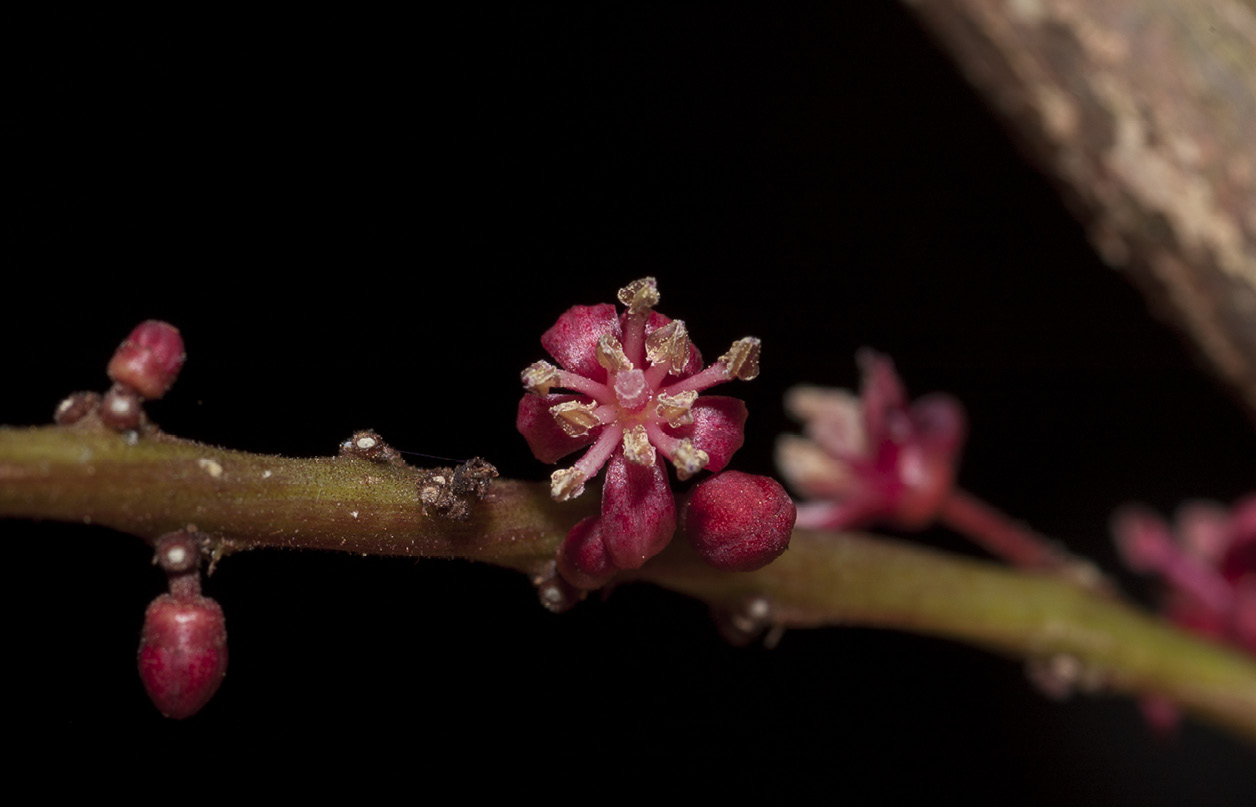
(739, 522)
(183, 653)
(149, 359)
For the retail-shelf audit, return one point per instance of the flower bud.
(739, 522)
(183, 653)
(149, 359)
(582, 559)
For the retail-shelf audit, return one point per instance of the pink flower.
(871, 457)
(1207, 562)
(633, 382)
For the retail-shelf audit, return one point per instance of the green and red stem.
(160, 484)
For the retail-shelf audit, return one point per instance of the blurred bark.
(1144, 113)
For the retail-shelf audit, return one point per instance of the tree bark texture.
(1144, 113)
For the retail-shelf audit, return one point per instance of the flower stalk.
(158, 484)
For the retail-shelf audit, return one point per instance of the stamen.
(539, 376)
(675, 409)
(640, 295)
(742, 359)
(669, 346)
(610, 354)
(715, 374)
(566, 483)
(689, 460)
(576, 418)
(637, 446)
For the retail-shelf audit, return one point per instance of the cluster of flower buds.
(633, 381)
(871, 457)
(143, 368)
(183, 646)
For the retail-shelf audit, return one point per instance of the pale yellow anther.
(689, 460)
(640, 295)
(566, 483)
(669, 346)
(575, 418)
(539, 376)
(742, 359)
(637, 447)
(675, 409)
(610, 354)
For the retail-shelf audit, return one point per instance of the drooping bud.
(149, 359)
(183, 653)
(739, 522)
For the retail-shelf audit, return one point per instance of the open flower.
(633, 381)
(871, 457)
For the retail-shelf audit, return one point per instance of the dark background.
(366, 221)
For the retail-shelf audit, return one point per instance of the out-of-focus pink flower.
(1207, 562)
(871, 457)
(633, 381)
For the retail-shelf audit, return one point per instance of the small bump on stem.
(75, 407)
(120, 409)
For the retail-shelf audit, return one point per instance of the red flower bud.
(582, 559)
(183, 653)
(149, 359)
(740, 522)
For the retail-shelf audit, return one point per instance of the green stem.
(160, 484)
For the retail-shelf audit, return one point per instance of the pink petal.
(582, 558)
(638, 511)
(718, 428)
(1143, 539)
(1204, 529)
(549, 443)
(939, 425)
(851, 513)
(881, 392)
(1245, 613)
(572, 340)
(812, 471)
(925, 481)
